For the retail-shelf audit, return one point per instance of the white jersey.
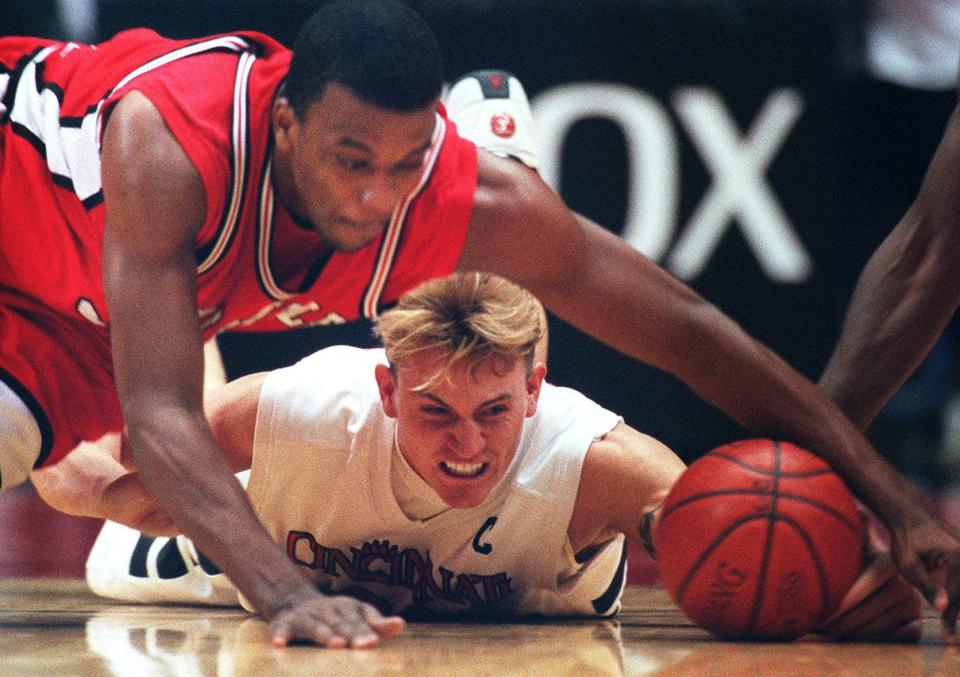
(320, 484)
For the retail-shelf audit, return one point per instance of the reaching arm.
(154, 204)
(591, 278)
(98, 479)
(905, 295)
(92, 481)
(626, 476)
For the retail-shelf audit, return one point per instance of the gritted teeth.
(462, 469)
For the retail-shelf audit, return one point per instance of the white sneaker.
(491, 109)
(126, 565)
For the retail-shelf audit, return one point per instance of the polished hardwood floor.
(56, 627)
(51, 625)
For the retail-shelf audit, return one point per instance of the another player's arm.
(880, 605)
(98, 479)
(625, 478)
(154, 205)
(92, 481)
(592, 279)
(906, 294)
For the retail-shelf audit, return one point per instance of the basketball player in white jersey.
(442, 476)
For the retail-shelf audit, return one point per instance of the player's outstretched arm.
(626, 475)
(98, 479)
(154, 205)
(903, 299)
(520, 229)
(91, 481)
(905, 295)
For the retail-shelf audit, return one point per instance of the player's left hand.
(881, 606)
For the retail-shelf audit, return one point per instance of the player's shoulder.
(336, 363)
(328, 385)
(561, 403)
(519, 225)
(500, 179)
(619, 449)
(625, 457)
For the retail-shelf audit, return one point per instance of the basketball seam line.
(789, 474)
(815, 556)
(767, 545)
(853, 526)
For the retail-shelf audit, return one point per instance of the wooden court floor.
(56, 627)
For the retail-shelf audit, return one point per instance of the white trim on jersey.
(238, 140)
(232, 43)
(4, 83)
(265, 229)
(73, 151)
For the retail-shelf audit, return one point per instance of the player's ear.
(283, 120)
(534, 382)
(387, 384)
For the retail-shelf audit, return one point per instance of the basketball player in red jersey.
(156, 192)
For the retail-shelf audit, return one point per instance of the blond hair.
(474, 316)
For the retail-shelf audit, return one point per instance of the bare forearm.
(722, 364)
(182, 466)
(902, 302)
(771, 399)
(905, 295)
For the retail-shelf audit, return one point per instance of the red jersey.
(215, 94)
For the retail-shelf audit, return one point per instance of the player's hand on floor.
(333, 621)
(928, 556)
(881, 606)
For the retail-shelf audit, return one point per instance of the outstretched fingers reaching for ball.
(334, 622)
(928, 556)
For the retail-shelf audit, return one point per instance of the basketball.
(759, 539)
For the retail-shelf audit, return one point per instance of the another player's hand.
(333, 621)
(928, 556)
(879, 607)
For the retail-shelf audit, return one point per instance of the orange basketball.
(759, 539)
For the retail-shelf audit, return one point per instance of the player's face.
(462, 432)
(346, 165)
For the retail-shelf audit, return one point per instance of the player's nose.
(468, 440)
(379, 197)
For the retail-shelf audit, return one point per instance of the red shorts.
(61, 368)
